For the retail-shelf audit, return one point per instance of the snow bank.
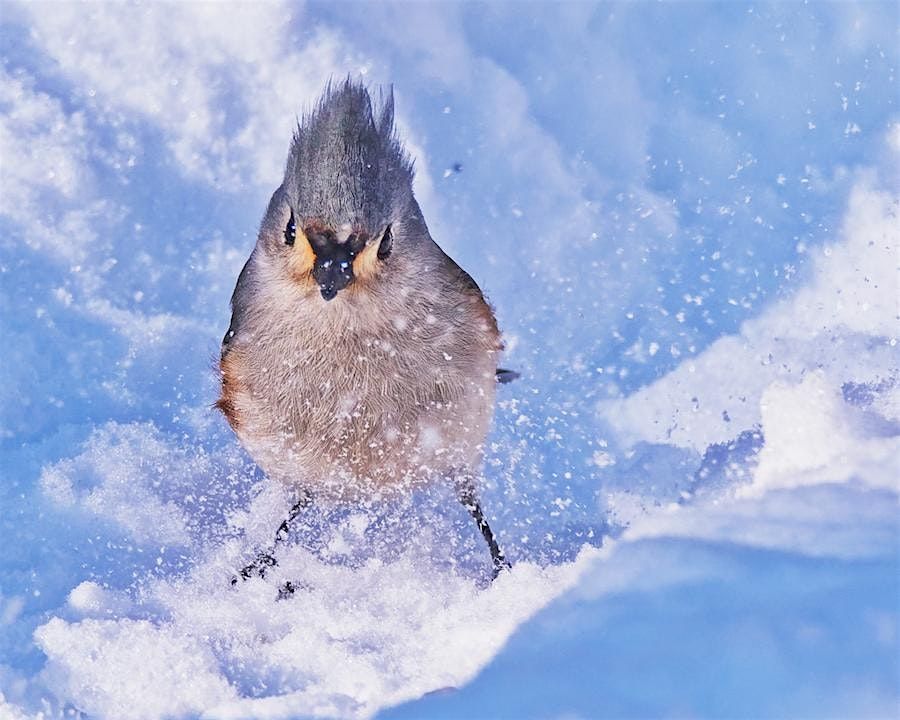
(774, 594)
(843, 323)
(155, 488)
(394, 599)
(104, 667)
(812, 436)
(780, 581)
(351, 640)
(679, 627)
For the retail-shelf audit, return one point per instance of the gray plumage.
(346, 159)
(360, 358)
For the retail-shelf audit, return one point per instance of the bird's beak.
(332, 262)
(332, 275)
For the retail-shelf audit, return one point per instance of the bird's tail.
(506, 376)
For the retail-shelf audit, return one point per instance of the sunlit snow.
(686, 217)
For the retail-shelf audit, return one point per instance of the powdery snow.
(696, 266)
(844, 323)
(350, 641)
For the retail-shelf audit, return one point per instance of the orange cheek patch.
(301, 257)
(365, 264)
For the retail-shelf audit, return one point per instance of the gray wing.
(502, 375)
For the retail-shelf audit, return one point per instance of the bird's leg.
(465, 490)
(265, 560)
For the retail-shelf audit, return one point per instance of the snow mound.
(104, 666)
(844, 322)
(349, 641)
(680, 627)
(813, 436)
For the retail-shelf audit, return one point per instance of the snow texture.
(686, 217)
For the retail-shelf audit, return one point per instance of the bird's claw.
(501, 564)
(258, 567)
(286, 590)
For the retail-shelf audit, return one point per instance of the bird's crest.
(346, 155)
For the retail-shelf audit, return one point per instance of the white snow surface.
(841, 327)
(694, 250)
(353, 640)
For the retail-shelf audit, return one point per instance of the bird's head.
(346, 194)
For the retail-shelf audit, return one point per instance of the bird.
(360, 359)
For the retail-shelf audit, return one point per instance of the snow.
(173, 675)
(325, 650)
(696, 474)
(679, 627)
(842, 325)
(776, 597)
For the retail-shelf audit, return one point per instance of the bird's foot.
(286, 590)
(500, 564)
(258, 567)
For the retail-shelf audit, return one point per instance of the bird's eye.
(386, 244)
(290, 232)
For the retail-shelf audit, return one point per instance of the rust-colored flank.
(225, 403)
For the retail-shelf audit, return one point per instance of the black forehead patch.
(325, 242)
(335, 252)
(320, 239)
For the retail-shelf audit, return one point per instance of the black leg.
(467, 497)
(265, 560)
